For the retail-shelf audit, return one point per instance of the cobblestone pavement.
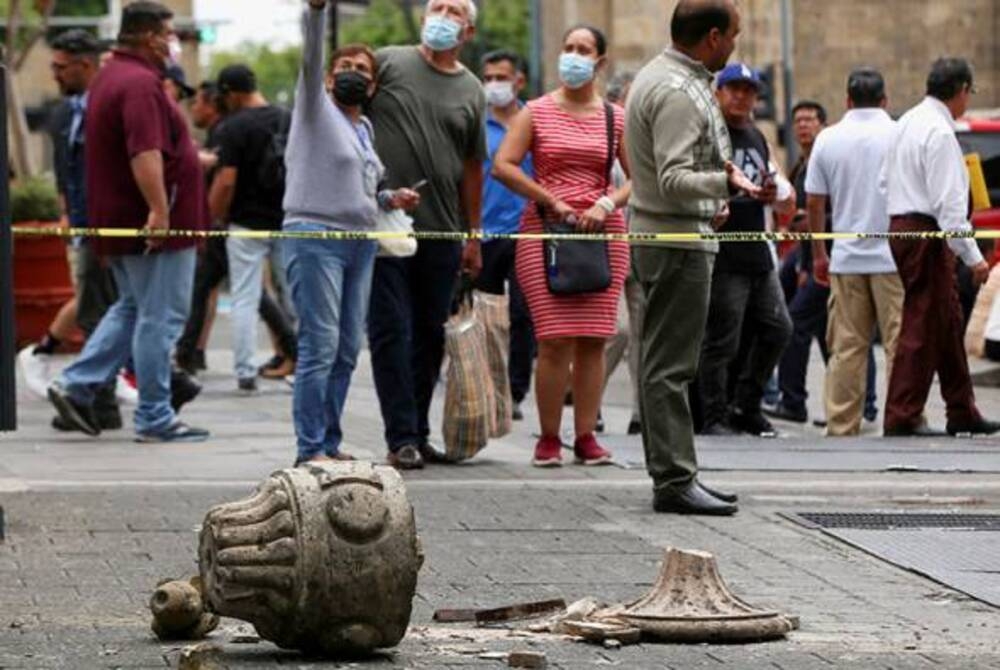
(92, 525)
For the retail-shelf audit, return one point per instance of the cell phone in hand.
(419, 185)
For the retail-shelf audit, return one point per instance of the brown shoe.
(342, 456)
(278, 367)
(406, 458)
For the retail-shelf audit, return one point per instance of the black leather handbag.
(573, 266)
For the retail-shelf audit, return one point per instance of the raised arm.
(311, 86)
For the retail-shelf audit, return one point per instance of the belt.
(917, 216)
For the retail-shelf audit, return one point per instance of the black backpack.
(271, 169)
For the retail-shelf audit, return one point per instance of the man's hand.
(740, 182)
(821, 269)
(405, 198)
(208, 159)
(980, 273)
(721, 216)
(472, 259)
(156, 221)
(768, 192)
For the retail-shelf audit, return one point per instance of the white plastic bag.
(395, 221)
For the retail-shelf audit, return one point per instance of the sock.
(48, 345)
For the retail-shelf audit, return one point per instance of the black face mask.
(351, 88)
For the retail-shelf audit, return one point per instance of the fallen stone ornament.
(179, 611)
(322, 558)
(691, 603)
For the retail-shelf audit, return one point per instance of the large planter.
(42, 283)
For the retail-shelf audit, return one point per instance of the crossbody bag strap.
(609, 113)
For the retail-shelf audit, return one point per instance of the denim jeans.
(154, 296)
(330, 283)
(246, 276)
(213, 268)
(411, 300)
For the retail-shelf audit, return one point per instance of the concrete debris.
(178, 610)
(527, 659)
(241, 635)
(204, 656)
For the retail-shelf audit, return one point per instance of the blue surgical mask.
(441, 33)
(576, 70)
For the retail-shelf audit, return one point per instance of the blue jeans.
(246, 277)
(154, 297)
(330, 282)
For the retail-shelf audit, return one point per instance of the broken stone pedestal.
(323, 558)
(691, 603)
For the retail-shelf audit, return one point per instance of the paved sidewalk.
(92, 525)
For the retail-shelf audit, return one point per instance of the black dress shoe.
(634, 427)
(783, 412)
(724, 496)
(183, 389)
(431, 454)
(406, 457)
(751, 423)
(977, 428)
(717, 429)
(691, 500)
(922, 430)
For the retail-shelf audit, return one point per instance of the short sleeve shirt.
(427, 124)
(128, 113)
(247, 139)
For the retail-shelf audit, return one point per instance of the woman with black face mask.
(332, 178)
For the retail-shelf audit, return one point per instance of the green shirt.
(427, 124)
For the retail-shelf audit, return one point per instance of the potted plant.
(41, 272)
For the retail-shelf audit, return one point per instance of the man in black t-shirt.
(746, 298)
(246, 192)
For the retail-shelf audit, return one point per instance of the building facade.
(828, 39)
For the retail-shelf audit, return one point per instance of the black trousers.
(410, 303)
(759, 300)
(498, 273)
(213, 268)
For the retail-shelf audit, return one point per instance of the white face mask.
(499, 93)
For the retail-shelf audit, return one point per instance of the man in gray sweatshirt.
(682, 175)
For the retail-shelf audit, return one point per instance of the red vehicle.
(983, 137)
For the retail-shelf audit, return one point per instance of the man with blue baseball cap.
(745, 286)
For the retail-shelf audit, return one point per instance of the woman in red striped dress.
(566, 133)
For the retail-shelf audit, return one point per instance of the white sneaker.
(37, 370)
(124, 391)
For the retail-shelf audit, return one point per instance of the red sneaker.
(548, 453)
(589, 452)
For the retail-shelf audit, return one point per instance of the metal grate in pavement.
(951, 549)
(899, 521)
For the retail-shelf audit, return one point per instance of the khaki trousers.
(857, 304)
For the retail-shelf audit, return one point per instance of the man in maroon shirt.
(142, 174)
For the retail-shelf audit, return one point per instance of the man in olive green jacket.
(682, 176)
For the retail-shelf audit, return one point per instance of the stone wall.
(901, 37)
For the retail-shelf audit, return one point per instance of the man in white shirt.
(865, 287)
(928, 190)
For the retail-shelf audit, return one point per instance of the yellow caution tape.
(633, 238)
